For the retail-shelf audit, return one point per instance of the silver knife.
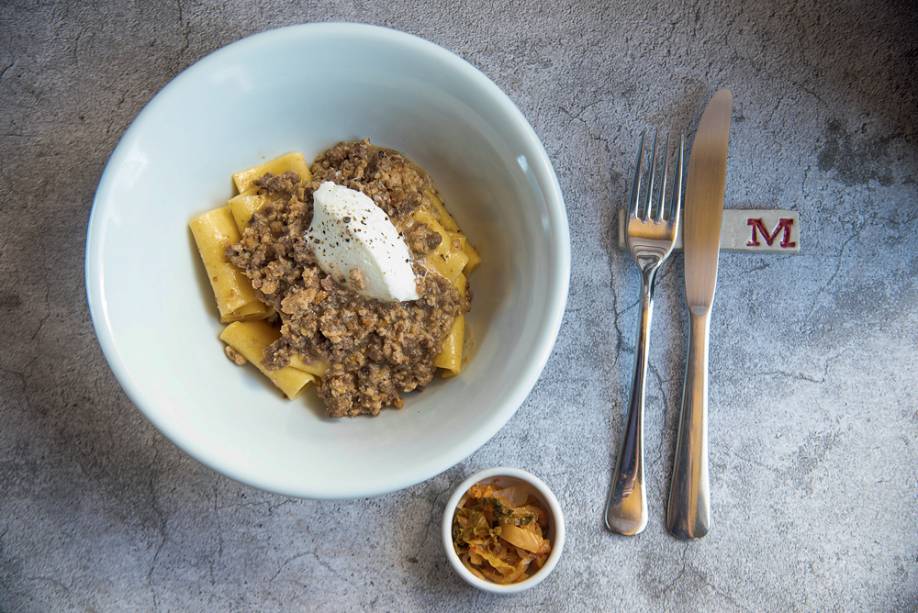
(688, 513)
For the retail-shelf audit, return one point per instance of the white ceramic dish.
(303, 88)
(556, 532)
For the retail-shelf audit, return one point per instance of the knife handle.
(689, 508)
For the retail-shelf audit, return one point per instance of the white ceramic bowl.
(305, 88)
(506, 476)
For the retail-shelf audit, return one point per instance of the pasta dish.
(349, 274)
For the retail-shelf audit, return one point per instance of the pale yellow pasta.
(253, 310)
(289, 162)
(447, 262)
(244, 206)
(317, 368)
(251, 338)
(446, 220)
(213, 232)
(461, 283)
(446, 259)
(450, 258)
(449, 224)
(461, 240)
(450, 357)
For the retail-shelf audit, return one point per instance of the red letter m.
(758, 226)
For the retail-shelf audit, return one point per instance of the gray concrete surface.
(815, 384)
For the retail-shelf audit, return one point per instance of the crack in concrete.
(619, 335)
(855, 233)
(761, 266)
(433, 517)
(274, 507)
(703, 578)
(806, 177)
(579, 114)
(799, 376)
(807, 90)
(211, 562)
(47, 305)
(594, 137)
(666, 411)
(669, 588)
(183, 27)
(744, 458)
(284, 564)
(162, 527)
(319, 560)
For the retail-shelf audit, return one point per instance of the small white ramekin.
(555, 529)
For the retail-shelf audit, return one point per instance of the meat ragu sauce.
(375, 351)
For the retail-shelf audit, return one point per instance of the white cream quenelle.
(348, 232)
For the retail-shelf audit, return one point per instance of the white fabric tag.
(757, 230)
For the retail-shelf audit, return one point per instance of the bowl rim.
(554, 507)
(557, 287)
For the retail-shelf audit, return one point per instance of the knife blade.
(688, 509)
(706, 182)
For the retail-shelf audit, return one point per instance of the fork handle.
(626, 509)
(689, 509)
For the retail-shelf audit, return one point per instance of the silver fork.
(651, 234)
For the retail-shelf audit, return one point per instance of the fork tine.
(661, 207)
(653, 174)
(677, 182)
(636, 182)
